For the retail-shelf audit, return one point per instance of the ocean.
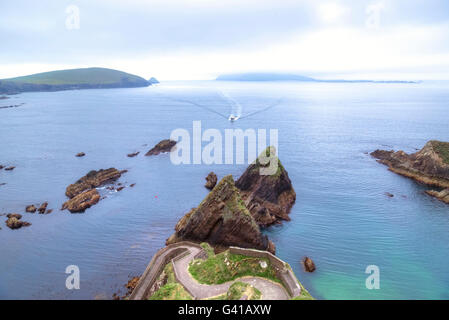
(342, 218)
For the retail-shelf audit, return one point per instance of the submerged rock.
(1, 167)
(268, 194)
(163, 146)
(222, 220)
(93, 179)
(430, 165)
(31, 209)
(82, 201)
(10, 168)
(80, 154)
(211, 181)
(309, 265)
(390, 195)
(14, 221)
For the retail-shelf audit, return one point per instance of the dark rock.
(10, 168)
(82, 201)
(430, 165)
(269, 197)
(163, 146)
(132, 185)
(31, 209)
(49, 211)
(211, 181)
(14, 221)
(80, 154)
(43, 208)
(309, 265)
(1, 167)
(390, 195)
(222, 220)
(120, 189)
(93, 179)
(131, 155)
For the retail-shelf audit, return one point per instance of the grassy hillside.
(87, 78)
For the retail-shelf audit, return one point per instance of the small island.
(72, 79)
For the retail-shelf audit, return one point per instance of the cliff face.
(222, 219)
(430, 165)
(269, 198)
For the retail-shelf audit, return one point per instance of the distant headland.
(73, 79)
(266, 76)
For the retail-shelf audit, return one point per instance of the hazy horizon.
(199, 40)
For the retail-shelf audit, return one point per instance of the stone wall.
(283, 271)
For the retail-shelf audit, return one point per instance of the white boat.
(232, 118)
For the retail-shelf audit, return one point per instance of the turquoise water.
(341, 218)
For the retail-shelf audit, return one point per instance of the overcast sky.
(199, 39)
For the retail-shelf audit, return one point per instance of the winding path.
(270, 290)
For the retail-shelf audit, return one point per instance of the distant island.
(266, 76)
(72, 79)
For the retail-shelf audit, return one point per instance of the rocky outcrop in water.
(93, 179)
(269, 197)
(83, 194)
(429, 166)
(14, 221)
(222, 220)
(309, 265)
(132, 155)
(211, 181)
(82, 201)
(31, 209)
(163, 146)
(80, 154)
(10, 168)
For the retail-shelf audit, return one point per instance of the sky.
(200, 39)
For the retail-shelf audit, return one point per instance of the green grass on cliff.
(172, 290)
(77, 76)
(442, 149)
(239, 289)
(225, 266)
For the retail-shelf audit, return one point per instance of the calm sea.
(342, 218)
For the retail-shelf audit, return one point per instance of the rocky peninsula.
(429, 166)
(166, 145)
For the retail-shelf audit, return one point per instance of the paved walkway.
(270, 290)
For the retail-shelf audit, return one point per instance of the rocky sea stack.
(269, 197)
(222, 220)
(83, 194)
(163, 146)
(429, 166)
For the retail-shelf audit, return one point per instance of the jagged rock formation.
(211, 181)
(222, 220)
(14, 221)
(269, 198)
(430, 165)
(82, 201)
(163, 146)
(43, 208)
(93, 179)
(83, 194)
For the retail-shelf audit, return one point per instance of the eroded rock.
(309, 265)
(14, 221)
(43, 208)
(268, 193)
(440, 195)
(93, 179)
(31, 209)
(163, 146)
(211, 180)
(82, 201)
(222, 220)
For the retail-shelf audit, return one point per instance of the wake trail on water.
(236, 108)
